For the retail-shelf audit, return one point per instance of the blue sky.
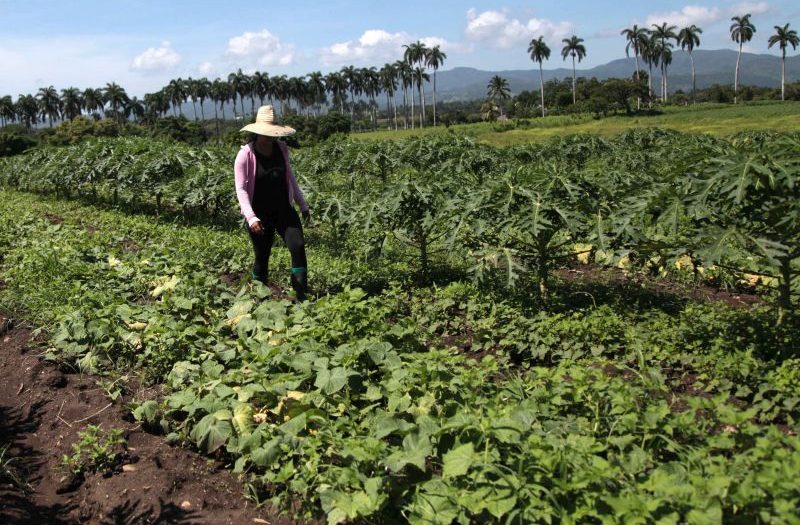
(141, 44)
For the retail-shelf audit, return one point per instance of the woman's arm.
(239, 176)
(299, 198)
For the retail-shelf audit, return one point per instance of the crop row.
(412, 404)
(649, 199)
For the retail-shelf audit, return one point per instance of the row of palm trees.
(347, 88)
(312, 93)
(654, 47)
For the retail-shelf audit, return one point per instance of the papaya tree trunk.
(785, 289)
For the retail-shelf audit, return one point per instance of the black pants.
(287, 224)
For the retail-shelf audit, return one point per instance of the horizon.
(68, 45)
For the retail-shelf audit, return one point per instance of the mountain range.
(712, 67)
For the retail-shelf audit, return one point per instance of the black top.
(270, 196)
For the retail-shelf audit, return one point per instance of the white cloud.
(686, 16)
(754, 8)
(503, 32)
(81, 61)
(703, 16)
(207, 69)
(157, 59)
(377, 45)
(262, 47)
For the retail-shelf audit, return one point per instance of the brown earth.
(42, 410)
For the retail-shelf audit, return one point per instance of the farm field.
(581, 330)
(715, 119)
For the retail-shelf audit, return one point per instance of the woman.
(266, 190)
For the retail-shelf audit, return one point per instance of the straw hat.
(265, 124)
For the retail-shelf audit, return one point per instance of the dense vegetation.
(448, 369)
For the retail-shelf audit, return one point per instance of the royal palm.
(71, 102)
(49, 103)
(742, 31)
(637, 40)
(434, 59)
(115, 95)
(414, 54)
(573, 47)
(784, 37)
(539, 52)
(663, 34)
(688, 39)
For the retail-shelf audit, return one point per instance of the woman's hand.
(307, 215)
(257, 228)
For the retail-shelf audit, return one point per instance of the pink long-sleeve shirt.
(244, 175)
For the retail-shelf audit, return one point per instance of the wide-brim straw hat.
(265, 124)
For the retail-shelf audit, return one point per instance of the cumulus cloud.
(503, 32)
(686, 16)
(262, 47)
(155, 59)
(754, 8)
(376, 45)
(699, 15)
(206, 69)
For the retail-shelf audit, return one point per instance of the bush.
(13, 143)
(180, 129)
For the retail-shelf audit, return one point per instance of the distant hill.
(712, 66)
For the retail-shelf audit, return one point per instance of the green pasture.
(715, 119)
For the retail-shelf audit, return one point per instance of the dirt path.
(41, 412)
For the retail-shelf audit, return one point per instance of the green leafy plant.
(96, 450)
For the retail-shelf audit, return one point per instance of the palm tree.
(689, 38)
(336, 85)
(316, 89)
(649, 52)
(72, 102)
(176, 94)
(414, 54)
(261, 85)
(27, 110)
(191, 89)
(420, 76)
(92, 100)
(434, 59)
(351, 77)
(220, 93)
(115, 95)
(539, 52)
(280, 87)
(663, 33)
(49, 103)
(742, 31)
(637, 40)
(404, 73)
(239, 83)
(784, 37)
(203, 90)
(156, 104)
(7, 112)
(498, 91)
(663, 59)
(388, 74)
(134, 108)
(574, 48)
(372, 86)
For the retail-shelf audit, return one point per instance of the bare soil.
(42, 409)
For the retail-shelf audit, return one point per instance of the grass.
(715, 119)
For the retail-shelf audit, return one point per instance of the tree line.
(654, 47)
(355, 91)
